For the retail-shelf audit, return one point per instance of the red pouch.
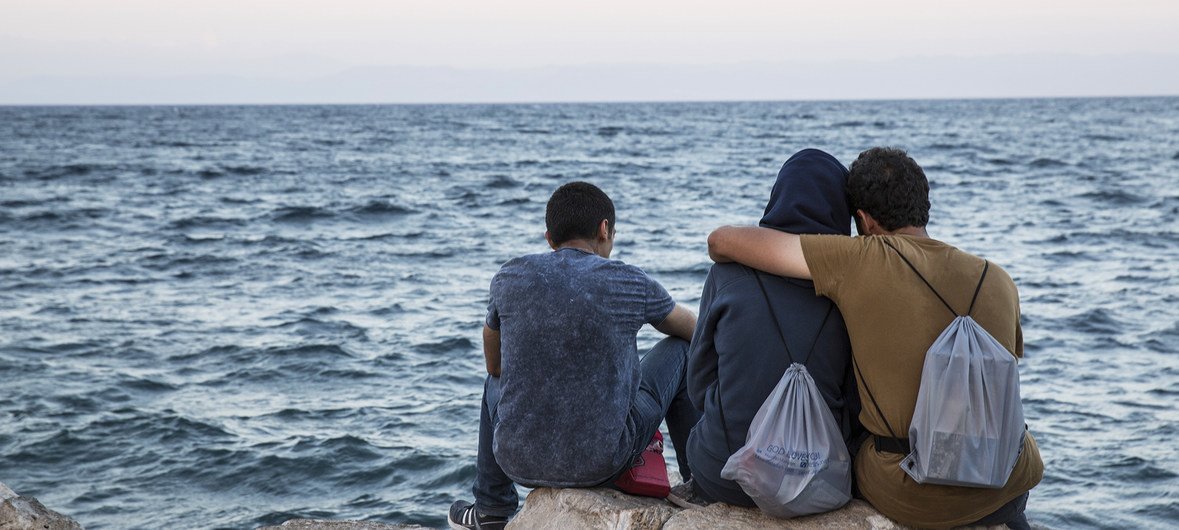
(647, 476)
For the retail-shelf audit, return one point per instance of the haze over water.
(231, 316)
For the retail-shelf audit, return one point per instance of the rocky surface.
(317, 524)
(547, 508)
(602, 508)
(591, 508)
(27, 513)
(856, 514)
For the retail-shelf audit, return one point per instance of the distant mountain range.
(916, 78)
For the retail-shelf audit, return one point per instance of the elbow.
(715, 245)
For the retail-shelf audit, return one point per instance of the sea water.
(232, 316)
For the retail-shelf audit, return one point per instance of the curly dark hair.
(575, 210)
(888, 184)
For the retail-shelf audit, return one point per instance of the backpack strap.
(774, 317)
(719, 395)
(896, 444)
(721, 410)
(986, 265)
(873, 399)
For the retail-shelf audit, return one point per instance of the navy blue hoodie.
(736, 357)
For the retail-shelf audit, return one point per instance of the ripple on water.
(301, 214)
(381, 209)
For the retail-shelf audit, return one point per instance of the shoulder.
(832, 259)
(998, 276)
(621, 269)
(725, 275)
(827, 246)
(735, 277)
(519, 265)
(966, 267)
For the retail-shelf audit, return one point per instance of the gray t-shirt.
(569, 366)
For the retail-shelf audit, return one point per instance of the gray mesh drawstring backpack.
(968, 424)
(794, 461)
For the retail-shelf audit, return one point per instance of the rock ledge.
(27, 513)
(547, 508)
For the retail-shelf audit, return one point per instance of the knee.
(674, 344)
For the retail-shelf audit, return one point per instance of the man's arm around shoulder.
(764, 249)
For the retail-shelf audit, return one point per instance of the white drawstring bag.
(794, 461)
(968, 424)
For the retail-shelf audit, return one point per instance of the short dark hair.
(575, 210)
(888, 184)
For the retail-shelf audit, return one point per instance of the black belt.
(900, 446)
(884, 444)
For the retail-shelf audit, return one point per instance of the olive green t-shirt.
(892, 320)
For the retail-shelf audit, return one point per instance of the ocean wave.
(205, 221)
(1041, 163)
(1139, 468)
(65, 218)
(1119, 197)
(203, 238)
(501, 182)
(315, 328)
(27, 203)
(147, 385)
(1096, 321)
(1103, 137)
(392, 309)
(321, 350)
(77, 169)
(380, 208)
(301, 214)
(445, 345)
(945, 146)
(514, 201)
(203, 264)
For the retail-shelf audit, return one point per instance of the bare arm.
(764, 249)
(681, 322)
(491, 350)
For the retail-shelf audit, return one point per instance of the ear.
(604, 230)
(870, 226)
(549, 238)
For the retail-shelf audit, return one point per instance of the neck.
(580, 244)
(915, 231)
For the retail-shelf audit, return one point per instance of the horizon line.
(591, 102)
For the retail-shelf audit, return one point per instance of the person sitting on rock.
(737, 357)
(566, 402)
(893, 320)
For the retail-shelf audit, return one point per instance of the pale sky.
(299, 38)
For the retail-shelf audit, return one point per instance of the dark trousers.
(1010, 514)
(662, 394)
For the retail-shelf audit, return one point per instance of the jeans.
(662, 394)
(1011, 514)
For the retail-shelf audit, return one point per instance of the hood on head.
(809, 196)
